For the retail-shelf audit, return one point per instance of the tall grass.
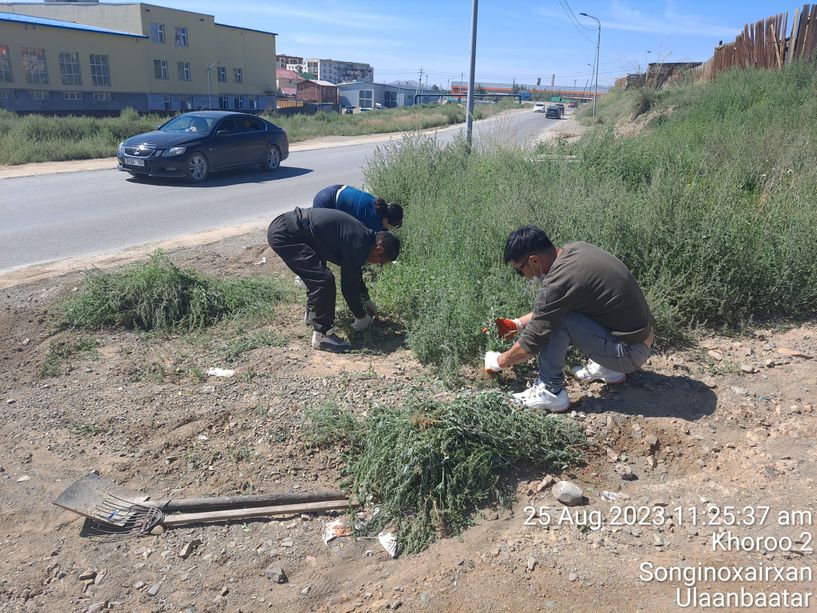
(713, 208)
(401, 119)
(42, 138)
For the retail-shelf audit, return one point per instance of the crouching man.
(305, 239)
(587, 297)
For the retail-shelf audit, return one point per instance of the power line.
(573, 20)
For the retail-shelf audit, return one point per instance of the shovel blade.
(87, 497)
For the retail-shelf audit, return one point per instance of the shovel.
(107, 505)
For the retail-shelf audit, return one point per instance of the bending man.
(588, 297)
(305, 239)
(374, 212)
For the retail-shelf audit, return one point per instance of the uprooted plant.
(430, 466)
(158, 295)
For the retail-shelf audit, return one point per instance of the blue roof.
(68, 25)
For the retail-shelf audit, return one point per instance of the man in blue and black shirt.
(306, 239)
(375, 212)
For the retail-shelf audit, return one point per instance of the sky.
(516, 40)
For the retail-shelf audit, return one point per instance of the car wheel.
(197, 168)
(273, 161)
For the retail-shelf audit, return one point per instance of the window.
(224, 102)
(73, 95)
(160, 69)
(166, 102)
(390, 100)
(254, 103)
(222, 74)
(187, 103)
(6, 94)
(240, 102)
(5, 65)
(238, 75)
(181, 36)
(102, 96)
(157, 33)
(69, 68)
(34, 65)
(184, 71)
(100, 75)
(40, 95)
(365, 98)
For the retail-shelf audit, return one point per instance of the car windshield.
(189, 123)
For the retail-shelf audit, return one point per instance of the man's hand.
(359, 325)
(370, 307)
(492, 362)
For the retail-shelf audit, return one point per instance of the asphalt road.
(52, 217)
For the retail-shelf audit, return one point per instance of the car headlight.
(120, 148)
(174, 151)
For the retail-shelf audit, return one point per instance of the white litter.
(609, 496)
(334, 529)
(261, 261)
(389, 542)
(220, 372)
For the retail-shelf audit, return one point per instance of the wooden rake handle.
(241, 501)
(184, 519)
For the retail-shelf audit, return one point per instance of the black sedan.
(193, 145)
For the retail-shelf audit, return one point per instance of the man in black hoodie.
(305, 239)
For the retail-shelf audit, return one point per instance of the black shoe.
(329, 342)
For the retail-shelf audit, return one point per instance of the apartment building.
(336, 71)
(283, 61)
(93, 57)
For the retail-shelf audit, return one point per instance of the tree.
(435, 88)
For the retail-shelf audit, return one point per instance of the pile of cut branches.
(430, 466)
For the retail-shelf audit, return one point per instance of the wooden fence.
(765, 44)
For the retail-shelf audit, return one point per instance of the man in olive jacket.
(588, 297)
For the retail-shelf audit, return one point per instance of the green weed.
(62, 349)
(431, 465)
(252, 341)
(157, 295)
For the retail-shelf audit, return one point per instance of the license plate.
(134, 161)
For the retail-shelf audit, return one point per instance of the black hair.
(394, 214)
(525, 241)
(390, 243)
(391, 212)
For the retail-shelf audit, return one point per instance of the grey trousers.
(595, 342)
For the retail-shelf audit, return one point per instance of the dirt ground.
(727, 426)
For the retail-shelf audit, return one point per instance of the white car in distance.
(539, 107)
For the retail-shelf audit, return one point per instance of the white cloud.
(671, 22)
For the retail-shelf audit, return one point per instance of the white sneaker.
(329, 342)
(537, 396)
(596, 372)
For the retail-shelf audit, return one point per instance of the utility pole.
(419, 83)
(598, 44)
(469, 111)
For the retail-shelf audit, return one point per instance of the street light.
(209, 97)
(469, 100)
(598, 44)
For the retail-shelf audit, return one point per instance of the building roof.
(68, 25)
(323, 83)
(289, 91)
(283, 73)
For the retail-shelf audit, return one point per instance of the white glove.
(359, 325)
(492, 362)
(371, 307)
